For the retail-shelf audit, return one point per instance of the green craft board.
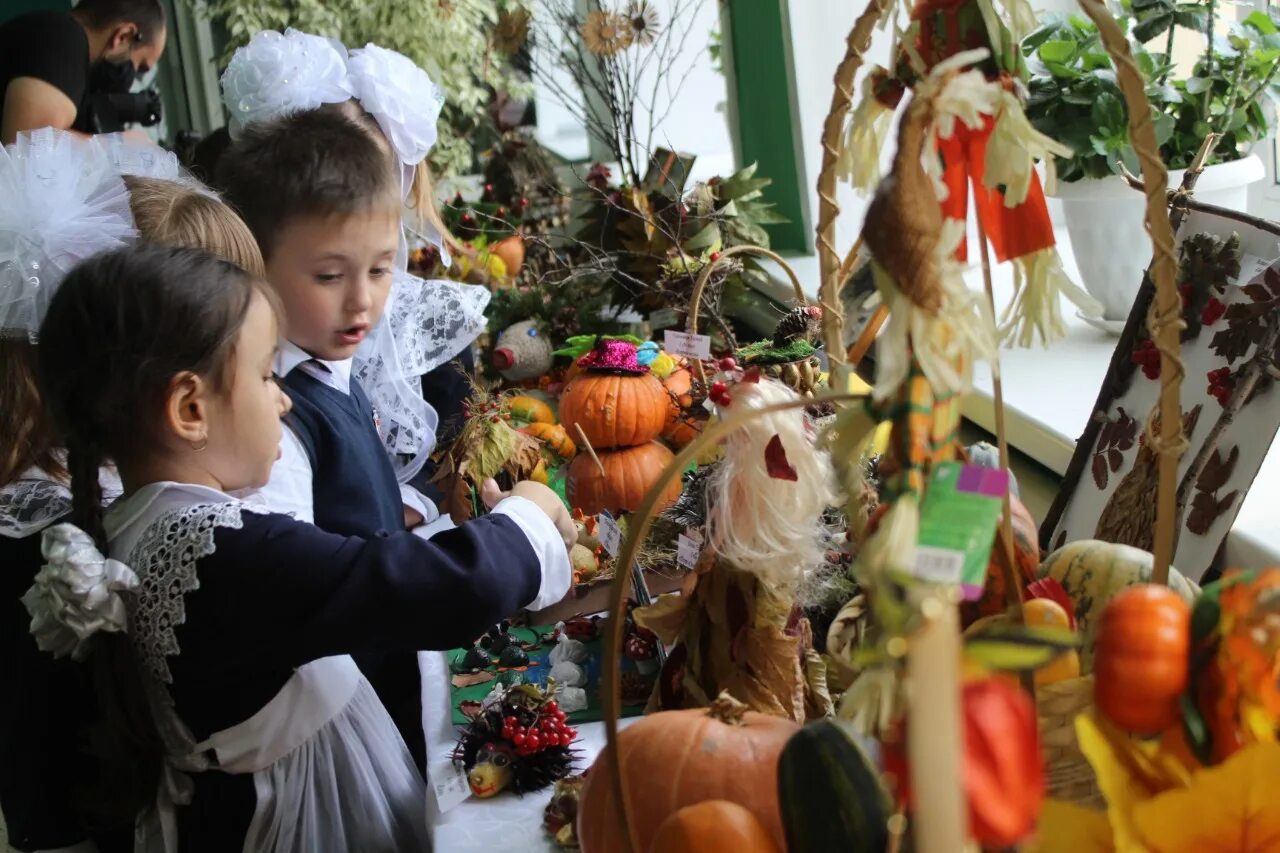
(539, 667)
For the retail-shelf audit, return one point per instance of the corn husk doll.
(993, 156)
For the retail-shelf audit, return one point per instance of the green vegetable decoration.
(831, 794)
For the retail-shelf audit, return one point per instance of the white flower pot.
(1104, 221)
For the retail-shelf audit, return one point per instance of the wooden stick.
(858, 349)
(934, 732)
(1167, 308)
(591, 450)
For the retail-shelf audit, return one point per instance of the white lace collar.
(35, 500)
(130, 516)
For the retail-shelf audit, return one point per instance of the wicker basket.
(1068, 774)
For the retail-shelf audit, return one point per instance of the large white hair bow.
(76, 594)
(280, 73)
(402, 98)
(63, 201)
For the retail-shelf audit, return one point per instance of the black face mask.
(107, 76)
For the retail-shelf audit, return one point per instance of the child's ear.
(186, 409)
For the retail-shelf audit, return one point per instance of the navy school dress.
(355, 493)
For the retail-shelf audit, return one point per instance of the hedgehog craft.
(519, 740)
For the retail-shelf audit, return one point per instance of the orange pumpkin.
(614, 410)
(628, 474)
(712, 826)
(1026, 551)
(683, 423)
(1140, 658)
(511, 250)
(720, 753)
(530, 410)
(554, 437)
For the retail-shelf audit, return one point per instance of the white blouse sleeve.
(547, 543)
(289, 489)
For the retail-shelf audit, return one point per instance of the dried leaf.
(471, 679)
(1271, 276)
(1127, 429)
(1100, 471)
(776, 462)
(1217, 470)
(1225, 502)
(1257, 292)
(1204, 512)
(470, 708)
(1115, 459)
(1106, 436)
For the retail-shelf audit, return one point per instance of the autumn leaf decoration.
(776, 462)
(1114, 440)
(1206, 266)
(1247, 322)
(1206, 507)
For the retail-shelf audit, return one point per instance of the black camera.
(111, 111)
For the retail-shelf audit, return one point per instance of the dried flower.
(512, 30)
(606, 33)
(643, 18)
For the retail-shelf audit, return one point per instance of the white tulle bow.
(76, 594)
(280, 73)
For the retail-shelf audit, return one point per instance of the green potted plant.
(1074, 98)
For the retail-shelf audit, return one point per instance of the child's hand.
(545, 499)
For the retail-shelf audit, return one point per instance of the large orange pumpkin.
(712, 826)
(1026, 551)
(674, 759)
(614, 410)
(628, 474)
(1140, 658)
(683, 422)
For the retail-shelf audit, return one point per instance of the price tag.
(687, 345)
(449, 783)
(1251, 266)
(663, 318)
(609, 534)
(938, 565)
(688, 549)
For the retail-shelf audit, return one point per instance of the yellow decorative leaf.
(665, 617)
(1231, 808)
(1120, 781)
(1068, 828)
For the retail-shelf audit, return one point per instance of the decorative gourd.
(830, 793)
(1141, 659)
(615, 410)
(628, 474)
(1093, 572)
(531, 410)
(511, 250)
(1044, 613)
(1026, 551)
(683, 424)
(712, 826)
(674, 759)
(554, 436)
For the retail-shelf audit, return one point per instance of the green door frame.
(763, 110)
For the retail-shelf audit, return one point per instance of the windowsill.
(1049, 396)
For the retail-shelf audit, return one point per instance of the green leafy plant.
(1074, 96)
(458, 42)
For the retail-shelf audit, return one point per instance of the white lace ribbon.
(76, 594)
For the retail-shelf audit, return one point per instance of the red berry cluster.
(548, 731)
(1221, 384)
(1147, 357)
(1212, 311)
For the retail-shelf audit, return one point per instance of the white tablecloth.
(506, 823)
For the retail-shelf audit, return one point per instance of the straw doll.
(740, 629)
(993, 150)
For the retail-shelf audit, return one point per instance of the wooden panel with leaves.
(1229, 277)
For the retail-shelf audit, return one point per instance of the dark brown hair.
(316, 163)
(117, 332)
(146, 15)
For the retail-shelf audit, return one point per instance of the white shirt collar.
(290, 355)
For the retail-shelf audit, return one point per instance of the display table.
(506, 823)
(1049, 394)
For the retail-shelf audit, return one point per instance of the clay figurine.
(474, 660)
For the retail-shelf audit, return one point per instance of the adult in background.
(48, 58)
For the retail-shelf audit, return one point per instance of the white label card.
(688, 549)
(687, 345)
(609, 534)
(1251, 266)
(663, 318)
(449, 783)
(938, 565)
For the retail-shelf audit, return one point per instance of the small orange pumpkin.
(554, 436)
(511, 250)
(615, 410)
(628, 474)
(683, 423)
(712, 826)
(1026, 551)
(721, 753)
(1140, 658)
(530, 410)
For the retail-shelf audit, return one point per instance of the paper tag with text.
(663, 318)
(1251, 266)
(687, 345)
(449, 784)
(958, 520)
(609, 534)
(688, 549)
